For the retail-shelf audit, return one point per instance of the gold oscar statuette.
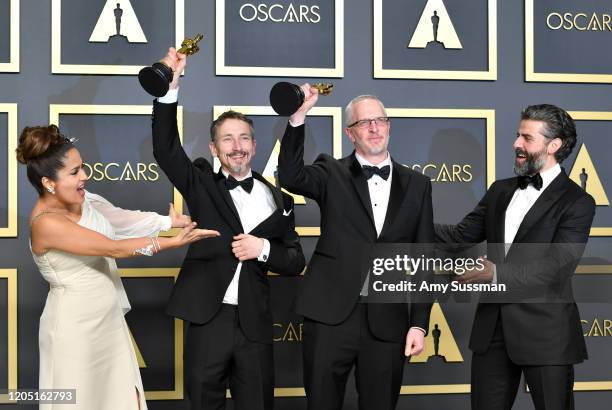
(287, 98)
(156, 79)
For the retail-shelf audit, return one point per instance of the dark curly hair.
(558, 124)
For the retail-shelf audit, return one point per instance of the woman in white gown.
(75, 235)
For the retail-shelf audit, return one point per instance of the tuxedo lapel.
(226, 204)
(550, 195)
(399, 187)
(360, 183)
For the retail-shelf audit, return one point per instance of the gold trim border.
(222, 69)
(490, 74)
(55, 110)
(13, 65)
(177, 393)
(486, 114)
(10, 231)
(587, 386)
(57, 67)
(531, 75)
(404, 390)
(594, 116)
(334, 112)
(11, 276)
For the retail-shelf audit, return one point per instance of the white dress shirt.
(522, 201)
(379, 191)
(253, 208)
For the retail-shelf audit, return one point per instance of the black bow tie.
(525, 180)
(382, 172)
(246, 184)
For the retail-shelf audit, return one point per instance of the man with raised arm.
(365, 199)
(222, 289)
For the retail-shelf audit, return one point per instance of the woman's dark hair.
(43, 150)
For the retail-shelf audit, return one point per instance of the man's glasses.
(379, 121)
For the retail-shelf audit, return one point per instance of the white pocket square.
(287, 213)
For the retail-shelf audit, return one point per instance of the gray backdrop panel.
(570, 51)
(5, 30)
(400, 19)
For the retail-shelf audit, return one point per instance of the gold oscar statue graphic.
(440, 344)
(156, 79)
(583, 173)
(287, 98)
(435, 29)
(117, 21)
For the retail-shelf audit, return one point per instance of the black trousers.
(331, 351)
(218, 355)
(495, 380)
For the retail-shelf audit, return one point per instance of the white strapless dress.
(84, 340)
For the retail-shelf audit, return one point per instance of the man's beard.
(370, 150)
(239, 169)
(533, 162)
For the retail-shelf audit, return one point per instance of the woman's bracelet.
(148, 250)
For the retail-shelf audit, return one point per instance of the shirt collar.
(549, 175)
(226, 174)
(362, 161)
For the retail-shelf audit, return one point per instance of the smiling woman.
(83, 337)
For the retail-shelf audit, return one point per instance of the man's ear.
(554, 146)
(213, 149)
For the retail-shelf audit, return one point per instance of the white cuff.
(170, 98)
(265, 251)
(419, 328)
(295, 125)
(166, 223)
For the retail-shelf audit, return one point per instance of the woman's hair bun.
(35, 142)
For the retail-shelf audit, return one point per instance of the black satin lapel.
(361, 186)
(226, 205)
(500, 212)
(550, 195)
(399, 188)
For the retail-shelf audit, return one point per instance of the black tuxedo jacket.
(535, 333)
(209, 265)
(334, 278)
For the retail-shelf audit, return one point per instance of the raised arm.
(293, 175)
(167, 148)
